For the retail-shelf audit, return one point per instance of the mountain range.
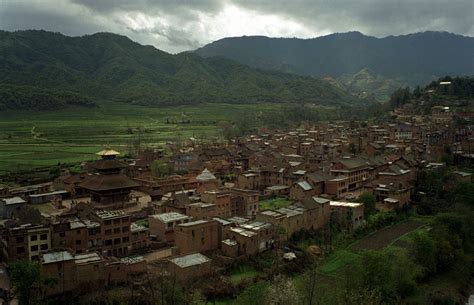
(411, 60)
(45, 70)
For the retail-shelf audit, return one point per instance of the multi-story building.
(115, 232)
(197, 236)
(356, 169)
(162, 226)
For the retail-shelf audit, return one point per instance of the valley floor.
(35, 139)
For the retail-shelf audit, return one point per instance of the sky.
(179, 25)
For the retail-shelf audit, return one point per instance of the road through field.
(385, 236)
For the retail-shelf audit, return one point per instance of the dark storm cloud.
(375, 17)
(178, 25)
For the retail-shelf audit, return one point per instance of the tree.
(282, 292)
(368, 200)
(228, 130)
(424, 252)
(400, 97)
(376, 273)
(309, 282)
(28, 282)
(160, 168)
(254, 294)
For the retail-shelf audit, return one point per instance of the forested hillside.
(414, 59)
(106, 66)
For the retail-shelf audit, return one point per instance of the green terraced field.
(34, 139)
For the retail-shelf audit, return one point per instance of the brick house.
(201, 210)
(26, 236)
(301, 190)
(189, 267)
(290, 219)
(197, 236)
(352, 213)
(163, 225)
(115, 231)
(337, 187)
(316, 212)
(355, 169)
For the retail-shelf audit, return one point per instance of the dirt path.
(385, 236)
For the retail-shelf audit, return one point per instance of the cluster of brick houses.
(102, 219)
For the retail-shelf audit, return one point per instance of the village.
(201, 203)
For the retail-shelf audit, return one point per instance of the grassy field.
(274, 203)
(33, 139)
(242, 273)
(338, 260)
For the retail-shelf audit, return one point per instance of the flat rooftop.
(88, 258)
(190, 260)
(193, 223)
(256, 226)
(103, 214)
(55, 257)
(169, 217)
(345, 204)
(13, 200)
(243, 232)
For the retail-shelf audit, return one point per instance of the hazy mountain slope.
(414, 59)
(109, 66)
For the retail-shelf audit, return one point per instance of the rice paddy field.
(36, 139)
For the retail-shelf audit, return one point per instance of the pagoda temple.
(108, 186)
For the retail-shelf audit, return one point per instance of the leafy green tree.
(400, 97)
(424, 252)
(28, 282)
(254, 294)
(368, 200)
(160, 168)
(376, 273)
(228, 130)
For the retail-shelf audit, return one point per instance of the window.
(34, 248)
(44, 247)
(78, 242)
(116, 230)
(116, 221)
(43, 236)
(34, 237)
(20, 240)
(108, 232)
(78, 231)
(192, 233)
(62, 234)
(20, 250)
(125, 229)
(116, 241)
(125, 239)
(108, 222)
(108, 242)
(35, 258)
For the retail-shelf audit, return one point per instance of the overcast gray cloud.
(178, 25)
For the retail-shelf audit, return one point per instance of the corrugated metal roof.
(304, 185)
(55, 257)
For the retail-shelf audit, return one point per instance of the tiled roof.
(108, 182)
